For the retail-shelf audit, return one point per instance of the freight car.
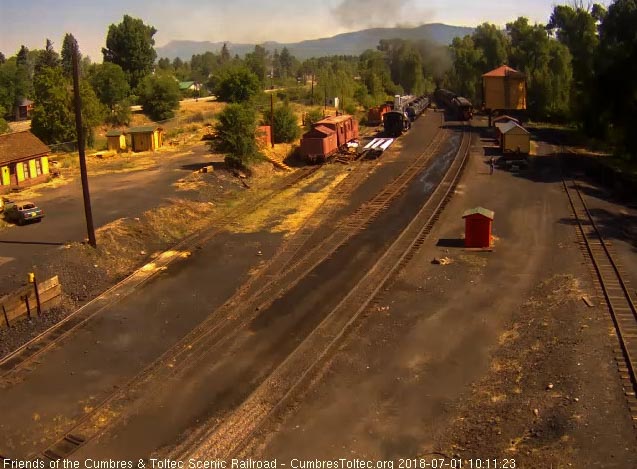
(395, 123)
(327, 137)
(458, 107)
(375, 114)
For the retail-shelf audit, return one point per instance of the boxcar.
(327, 137)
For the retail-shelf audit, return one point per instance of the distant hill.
(353, 43)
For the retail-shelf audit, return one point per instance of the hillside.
(353, 43)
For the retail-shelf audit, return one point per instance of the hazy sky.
(30, 22)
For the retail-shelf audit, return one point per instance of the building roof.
(506, 118)
(507, 127)
(504, 71)
(479, 211)
(24, 102)
(19, 146)
(115, 133)
(184, 85)
(143, 129)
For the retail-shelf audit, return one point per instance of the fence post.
(6, 318)
(26, 302)
(37, 295)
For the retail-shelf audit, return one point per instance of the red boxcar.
(327, 136)
(375, 114)
(319, 143)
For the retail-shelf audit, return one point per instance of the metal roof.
(184, 85)
(143, 129)
(504, 71)
(507, 127)
(479, 211)
(19, 146)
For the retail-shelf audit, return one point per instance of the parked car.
(22, 212)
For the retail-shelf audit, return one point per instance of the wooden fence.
(23, 304)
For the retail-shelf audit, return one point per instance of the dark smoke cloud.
(373, 13)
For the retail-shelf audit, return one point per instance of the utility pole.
(80, 147)
(272, 118)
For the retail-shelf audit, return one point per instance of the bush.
(121, 114)
(286, 127)
(236, 131)
(313, 116)
(159, 96)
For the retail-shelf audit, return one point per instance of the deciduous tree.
(130, 45)
(159, 96)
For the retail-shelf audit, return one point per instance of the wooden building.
(146, 138)
(116, 140)
(514, 138)
(504, 89)
(23, 109)
(24, 160)
(478, 225)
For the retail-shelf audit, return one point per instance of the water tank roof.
(504, 71)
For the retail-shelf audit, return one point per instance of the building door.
(13, 175)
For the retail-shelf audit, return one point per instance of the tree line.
(579, 66)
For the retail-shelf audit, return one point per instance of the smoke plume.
(375, 13)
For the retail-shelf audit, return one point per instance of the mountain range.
(352, 43)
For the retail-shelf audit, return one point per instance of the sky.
(30, 22)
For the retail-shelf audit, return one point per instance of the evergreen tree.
(69, 45)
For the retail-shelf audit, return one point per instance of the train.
(327, 137)
(406, 109)
(458, 107)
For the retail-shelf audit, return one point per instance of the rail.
(283, 272)
(616, 293)
(280, 388)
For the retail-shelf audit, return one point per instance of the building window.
(38, 167)
(25, 170)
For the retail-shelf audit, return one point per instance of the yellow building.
(116, 140)
(146, 138)
(514, 138)
(504, 89)
(24, 160)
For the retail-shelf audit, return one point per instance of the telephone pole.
(80, 148)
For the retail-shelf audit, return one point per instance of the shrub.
(236, 131)
(286, 127)
(313, 116)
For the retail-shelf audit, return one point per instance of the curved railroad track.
(226, 439)
(613, 288)
(280, 274)
(34, 348)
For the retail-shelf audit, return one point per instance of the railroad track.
(613, 289)
(34, 348)
(227, 439)
(279, 275)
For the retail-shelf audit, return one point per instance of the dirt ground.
(492, 356)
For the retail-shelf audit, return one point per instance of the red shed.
(478, 222)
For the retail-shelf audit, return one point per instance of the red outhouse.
(478, 222)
